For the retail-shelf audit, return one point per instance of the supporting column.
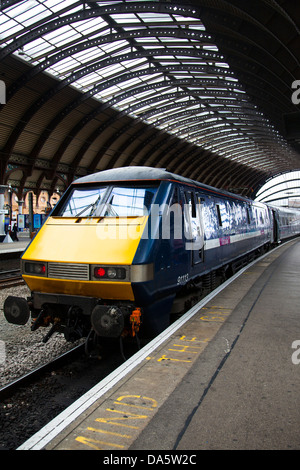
(20, 206)
(2, 212)
(21, 217)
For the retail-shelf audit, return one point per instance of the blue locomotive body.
(208, 233)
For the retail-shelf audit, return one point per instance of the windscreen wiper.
(93, 205)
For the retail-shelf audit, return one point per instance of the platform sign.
(37, 221)
(21, 221)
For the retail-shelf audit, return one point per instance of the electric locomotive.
(126, 248)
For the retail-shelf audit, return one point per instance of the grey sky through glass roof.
(154, 61)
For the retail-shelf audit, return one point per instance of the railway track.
(10, 278)
(25, 380)
(30, 402)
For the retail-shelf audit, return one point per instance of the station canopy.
(202, 88)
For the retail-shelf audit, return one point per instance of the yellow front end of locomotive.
(71, 249)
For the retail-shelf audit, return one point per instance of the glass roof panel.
(125, 18)
(8, 28)
(56, 5)
(19, 8)
(155, 18)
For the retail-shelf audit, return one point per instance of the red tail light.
(99, 272)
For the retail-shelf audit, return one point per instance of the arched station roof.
(202, 88)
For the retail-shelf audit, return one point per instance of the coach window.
(193, 227)
(248, 216)
(219, 214)
(176, 197)
(262, 218)
(175, 212)
(192, 206)
(200, 203)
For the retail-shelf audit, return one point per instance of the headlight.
(38, 269)
(112, 273)
(105, 272)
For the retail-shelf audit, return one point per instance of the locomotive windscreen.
(107, 201)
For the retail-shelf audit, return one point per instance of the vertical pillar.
(21, 219)
(30, 203)
(20, 206)
(2, 212)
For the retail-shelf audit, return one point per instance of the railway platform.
(15, 247)
(226, 375)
